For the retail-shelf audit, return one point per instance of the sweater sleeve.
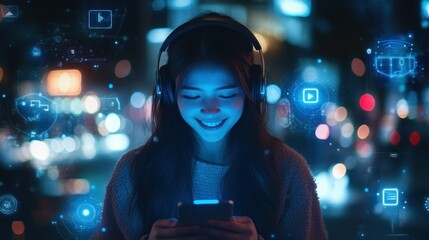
(118, 221)
(301, 218)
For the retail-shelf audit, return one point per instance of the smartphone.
(199, 211)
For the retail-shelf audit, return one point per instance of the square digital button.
(310, 95)
(390, 197)
(100, 19)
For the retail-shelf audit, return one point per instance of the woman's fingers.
(167, 228)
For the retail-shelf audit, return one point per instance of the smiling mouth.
(212, 125)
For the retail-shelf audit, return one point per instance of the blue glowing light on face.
(210, 100)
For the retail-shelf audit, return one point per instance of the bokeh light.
(347, 130)
(1, 74)
(358, 67)
(322, 131)
(137, 99)
(273, 93)
(364, 149)
(66, 82)
(395, 138)
(402, 109)
(363, 131)
(415, 138)
(339, 170)
(367, 102)
(112, 122)
(91, 103)
(39, 150)
(340, 114)
(18, 227)
(122, 68)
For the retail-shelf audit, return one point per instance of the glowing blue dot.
(366, 189)
(404, 170)
(410, 35)
(4, 95)
(23, 103)
(93, 187)
(116, 42)
(85, 212)
(369, 51)
(103, 229)
(110, 86)
(61, 216)
(319, 60)
(36, 52)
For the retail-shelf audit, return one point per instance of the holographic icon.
(109, 104)
(310, 95)
(34, 114)
(9, 11)
(8, 204)
(390, 197)
(100, 19)
(395, 58)
(81, 217)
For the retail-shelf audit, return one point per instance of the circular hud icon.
(81, 218)
(8, 204)
(308, 99)
(33, 114)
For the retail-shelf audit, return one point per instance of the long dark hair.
(163, 170)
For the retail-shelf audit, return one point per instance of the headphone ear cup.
(257, 81)
(165, 85)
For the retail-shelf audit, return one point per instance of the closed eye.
(228, 96)
(190, 97)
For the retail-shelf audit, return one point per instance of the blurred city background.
(348, 88)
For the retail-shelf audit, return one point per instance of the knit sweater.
(300, 215)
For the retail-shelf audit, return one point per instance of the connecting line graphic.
(45, 107)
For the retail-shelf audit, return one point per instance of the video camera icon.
(310, 95)
(100, 19)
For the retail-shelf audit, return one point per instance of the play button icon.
(310, 95)
(100, 19)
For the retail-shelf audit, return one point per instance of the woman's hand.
(168, 229)
(240, 228)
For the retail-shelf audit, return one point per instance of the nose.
(210, 107)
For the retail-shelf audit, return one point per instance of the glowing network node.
(81, 217)
(8, 204)
(390, 197)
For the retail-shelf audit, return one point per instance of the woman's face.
(210, 100)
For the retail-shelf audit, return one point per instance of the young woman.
(210, 141)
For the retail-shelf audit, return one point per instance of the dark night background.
(335, 33)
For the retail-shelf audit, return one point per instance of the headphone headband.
(215, 20)
(210, 21)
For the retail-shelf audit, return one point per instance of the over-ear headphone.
(164, 90)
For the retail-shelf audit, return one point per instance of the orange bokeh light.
(66, 82)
